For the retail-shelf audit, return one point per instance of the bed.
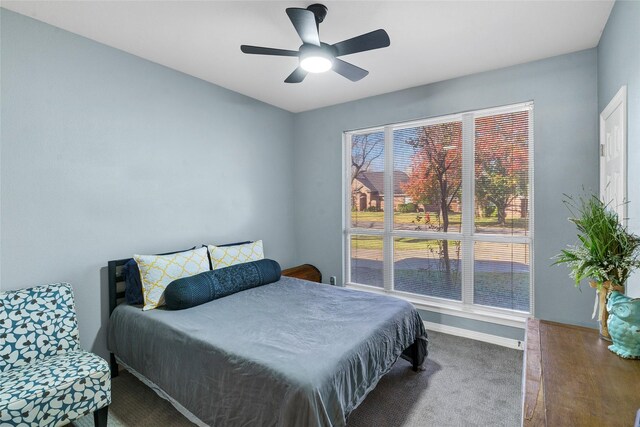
(290, 353)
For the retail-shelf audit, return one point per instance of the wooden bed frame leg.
(416, 367)
(414, 357)
(114, 365)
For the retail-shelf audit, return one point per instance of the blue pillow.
(132, 283)
(210, 285)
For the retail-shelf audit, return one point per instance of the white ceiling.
(430, 40)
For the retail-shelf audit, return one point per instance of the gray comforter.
(291, 353)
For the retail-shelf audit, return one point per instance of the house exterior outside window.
(368, 190)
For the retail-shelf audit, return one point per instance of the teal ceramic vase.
(624, 325)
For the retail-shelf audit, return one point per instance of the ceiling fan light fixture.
(316, 62)
(314, 56)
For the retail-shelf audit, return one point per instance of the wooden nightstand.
(304, 272)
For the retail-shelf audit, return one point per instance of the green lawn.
(401, 244)
(419, 219)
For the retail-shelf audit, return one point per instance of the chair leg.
(114, 365)
(100, 417)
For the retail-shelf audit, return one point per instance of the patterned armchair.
(45, 378)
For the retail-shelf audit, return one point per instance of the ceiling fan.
(318, 57)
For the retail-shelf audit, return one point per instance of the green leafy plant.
(407, 208)
(606, 251)
(489, 210)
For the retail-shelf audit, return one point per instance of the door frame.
(618, 100)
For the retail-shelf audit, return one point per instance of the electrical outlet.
(332, 280)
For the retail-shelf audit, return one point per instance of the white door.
(613, 156)
(613, 153)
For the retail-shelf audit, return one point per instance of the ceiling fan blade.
(257, 50)
(297, 76)
(373, 40)
(349, 71)
(304, 22)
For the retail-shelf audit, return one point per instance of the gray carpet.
(466, 383)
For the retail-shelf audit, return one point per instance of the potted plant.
(606, 253)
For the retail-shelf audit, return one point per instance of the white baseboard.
(479, 336)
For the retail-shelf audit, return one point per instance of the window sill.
(482, 314)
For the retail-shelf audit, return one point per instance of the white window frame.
(464, 308)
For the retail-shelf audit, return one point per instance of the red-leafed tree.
(435, 177)
(502, 161)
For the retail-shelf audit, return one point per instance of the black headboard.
(116, 283)
(116, 296)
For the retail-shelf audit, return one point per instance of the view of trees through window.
(435, 164)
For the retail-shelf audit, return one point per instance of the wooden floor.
(572, 379)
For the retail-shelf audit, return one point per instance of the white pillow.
(157, 271)
(226, 256)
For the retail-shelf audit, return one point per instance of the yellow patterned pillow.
(226, 256)
(157, 271)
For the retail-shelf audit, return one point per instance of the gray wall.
(619, 64)
(566, 158)
(105, 155)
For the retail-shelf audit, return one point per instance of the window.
(439, 210)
